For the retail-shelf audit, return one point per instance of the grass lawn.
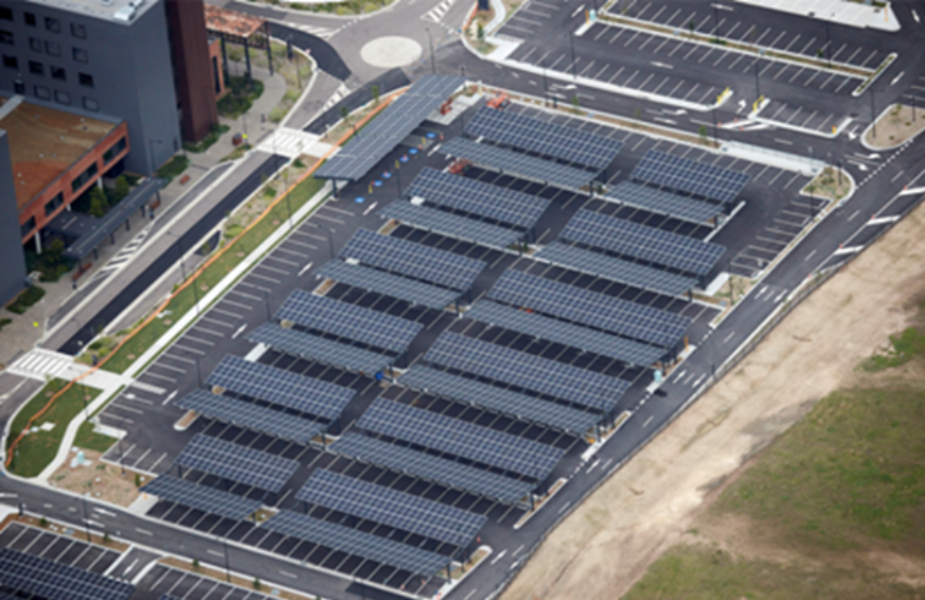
(89, 440)
(36, 450)
(186, 299)
(701, 572)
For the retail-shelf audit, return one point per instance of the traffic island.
(894, 127)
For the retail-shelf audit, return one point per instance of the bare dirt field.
(98, 479)
(897, 125)
(654, 502)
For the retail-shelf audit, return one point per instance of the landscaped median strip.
(183, 298)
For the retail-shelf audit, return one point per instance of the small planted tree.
(98, 203)
(256, 583)
(576, 103)
(703, 134)
(374, 88)
(122, 187)
(196, 564)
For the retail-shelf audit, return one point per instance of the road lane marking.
(144, 531)
(728, 337)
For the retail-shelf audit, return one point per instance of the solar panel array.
(508, 161)
(446, 223)
(590, 308)
(277, 386)
(381, 135)
(686, 175)
(251, 416)
(477, 393)
(319, 349)
(576, 336)
(357, 543)
(682, 207)
(546, 138)
(56, 581)
(414, 260)
(348, 321)
(201, 497)
(430, 467)
(527, 371)
(466, 440)
(386, 283)
(391, 507)
(647, 243)
(478, 198)
(237, 463)
(608, 267)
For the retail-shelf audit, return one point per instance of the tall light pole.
(153, 164)
(433, 60)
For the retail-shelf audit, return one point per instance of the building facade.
(194, 78)
(13, 272)
(97, 58)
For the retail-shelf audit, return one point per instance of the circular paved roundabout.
(391, 51)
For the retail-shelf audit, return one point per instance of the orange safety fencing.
(200, 270)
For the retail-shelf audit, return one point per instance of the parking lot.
(59, 548)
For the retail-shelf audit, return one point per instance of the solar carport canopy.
(430, 467)
(686, 175)
(277, 386)
(659, 201)
(357, 543)
(381, 282)
(323, 350)
(478, 198)
(563, 142)
(51, 580)
(381, 135)
(449, 224)
(201, 497)
(525, 165)
(237, 463)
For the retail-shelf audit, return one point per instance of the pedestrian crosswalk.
(289, 142)
(436, 13)
(342, 92)
(41, 363)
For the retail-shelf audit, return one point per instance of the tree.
(576, 103)
(98, 203)
(691, 26)
(54, 251)
(122, 187)
(196, 564)
(703, 134)
(345, 114)
(375, 90)
(256, 583)
(480, 32)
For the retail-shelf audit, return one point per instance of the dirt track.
(645, 508)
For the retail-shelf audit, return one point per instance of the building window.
(58, 73)
(36, 68)
(91, 104)
(27, 227)
(53, 48)
(54, 204)
(85, 79)
(29, 18)
(35, 44)
(10, 62)
(114, 151)
(78, 31)
(42, 92)
(80, 55)
(6, 37)
(6, 14)
(53, 25)
(62, 97)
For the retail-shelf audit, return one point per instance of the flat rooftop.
(231, 22)
(119, 11)
(44, 143)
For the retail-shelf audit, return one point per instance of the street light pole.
(154, 165)
(86, 519)
(571, 39)
(873, 113)
(227, 562)
(330, 241)
(757, 79)
(433, 60)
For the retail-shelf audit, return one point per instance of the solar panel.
(396, 122)
(476, 393)
(251, 416)
(237, 463)
(386, 283)
(686, 175)
(201, 497)
(590, 308)
(567, 143)
(391, 507)
(56, 581)
(449, 224)
(348, 321)
(647, 243)
(319, 349)
(357, 543)
(576, 336)
(478, 198)
(414, 260)
(430, 467)
(608, 267)
(663, 202)
(508, 161)
(527, 371)
(277, 386)
(466, 440)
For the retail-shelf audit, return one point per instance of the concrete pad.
(391, 51)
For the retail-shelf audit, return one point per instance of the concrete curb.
(882, 114)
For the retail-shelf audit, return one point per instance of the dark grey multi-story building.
(98, 57)
(13, 272)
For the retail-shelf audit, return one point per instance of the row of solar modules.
(42, 578)
(687, 175)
